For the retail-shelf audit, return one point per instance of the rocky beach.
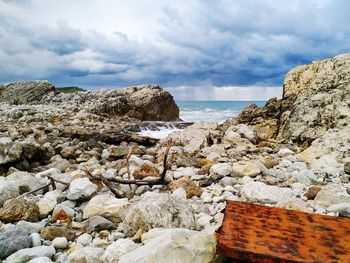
(79, 184)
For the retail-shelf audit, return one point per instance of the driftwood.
(108, 181)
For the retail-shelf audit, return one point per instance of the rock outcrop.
(146, 102)
(24, 92)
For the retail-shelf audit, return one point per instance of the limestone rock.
(315, 99)
(8, 190)
(24, 92)
(9, 150)
(117, 249)
(332, 195)
(158, 210)
(19, 209)
(81, 188)
(26, 181)
(259, 192)
(107, 206)
(12, 240)
(86, 255)
(243, 131)
(59, 242)
(190, 187)
(41, 260)
(31, 227)
(62, 213)
(48, 203)
(220, 170)
(247, 169)
(172, 246)
(295, 204)
(25, 255)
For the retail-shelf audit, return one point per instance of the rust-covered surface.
(256, 233)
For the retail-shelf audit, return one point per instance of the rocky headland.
(77, 184)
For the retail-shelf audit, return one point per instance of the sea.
(199, 111)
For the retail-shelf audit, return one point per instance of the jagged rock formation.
(146, 103)
(23, 92)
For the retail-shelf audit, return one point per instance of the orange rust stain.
(258, 233)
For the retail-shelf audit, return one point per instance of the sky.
(196, 49)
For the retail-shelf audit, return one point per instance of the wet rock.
(107, 206)
(27, 254)
(12, 240)
(51, 232)
(158, 210)
(80, 189)
(173, 245)
(117, 249)
(86, 255)
(19, 209)
(190, 187)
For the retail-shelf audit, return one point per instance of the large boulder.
(158, 210)
(12, 240)
(316, 98)
(24, 92)
(172, 246)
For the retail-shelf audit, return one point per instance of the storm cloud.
(196, 49)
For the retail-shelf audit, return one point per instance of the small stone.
(51, 232)
(107, 206)
(248, 169)
(86, 255)
(62, 213)
(98, 223)
(47, 203)
(285, 152)
(80, 189)
(191, 188)
(85, 239)
(59, 242)
(104, 233)
(312, 192)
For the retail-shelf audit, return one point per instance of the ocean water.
(195, 111)
(213, 111)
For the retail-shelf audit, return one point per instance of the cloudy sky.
(214, 49)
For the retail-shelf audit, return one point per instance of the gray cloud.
(190, 46)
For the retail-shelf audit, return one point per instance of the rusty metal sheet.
(256, 233)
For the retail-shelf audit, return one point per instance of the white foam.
(208, 114)
(161, 134)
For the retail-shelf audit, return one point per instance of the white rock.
(24, 255)
(8, 190)
(173, 246)
(285, 152)
(27, 182)
(40, 260)
(118, 249)
(332, 195)
(36, 240)
(184, 172)
(60, 242)
(47, 203)
(220, 170)
(107, 206)
(258, 192)
(86, 255)
(203, 221)
(305, 177)
(158, 210)
(339, 207)
(85, 239)
(247, 169)
(81, 188)
(62, 211)
(180, 193)
(32, 227)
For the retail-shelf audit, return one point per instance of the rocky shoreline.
(61, 156)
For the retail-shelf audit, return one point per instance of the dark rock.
(347, 167)
(98, 223)
(12, 240)
(312, 192)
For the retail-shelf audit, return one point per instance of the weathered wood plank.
(258, 233)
